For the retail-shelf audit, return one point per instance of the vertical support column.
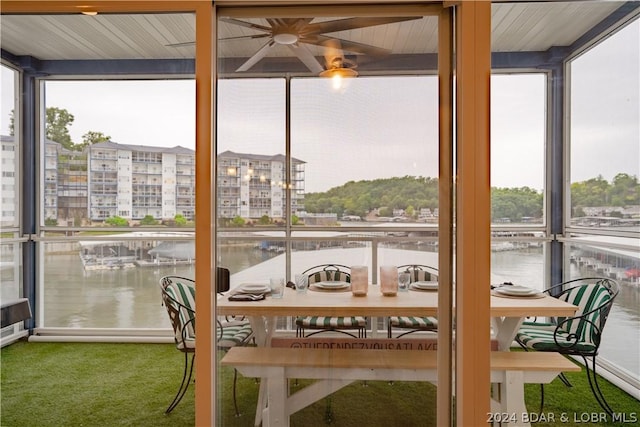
(28, 188)
(473, 236)
(556, 162)
(205, 400)
(445, 219)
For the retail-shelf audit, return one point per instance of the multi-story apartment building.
(253, 185)
(8, 162)
(134, 181)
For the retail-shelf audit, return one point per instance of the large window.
(354, 175)
(10, 249)
(518, 136)
(314, 170)
(118, 174)
(604, 206)
(605, 132)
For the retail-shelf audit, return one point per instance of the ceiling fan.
(296, 33)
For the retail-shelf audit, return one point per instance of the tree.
(625, 190)
(11, 123)
(92, 137)
(56, 128)
(116, 221)
(50, 222)
(410, 211)
(148, 220)
(385, 211)
(238, 221)
(180, 220)
(264, 220)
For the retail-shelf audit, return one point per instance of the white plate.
(518, 291)
(251, 288)
(331, 285)
(429, 286)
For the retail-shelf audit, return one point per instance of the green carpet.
(81, 384)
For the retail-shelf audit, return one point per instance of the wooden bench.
(335, 369)
(14, 311)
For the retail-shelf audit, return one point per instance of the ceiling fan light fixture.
(339, 72)
(285, 38)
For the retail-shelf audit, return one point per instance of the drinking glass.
(302, 282)
(403, 282)
(276, 284)
(389, 280)
(359, 280)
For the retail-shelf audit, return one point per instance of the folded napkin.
(246, 297)
(501, 285)
(251, 288)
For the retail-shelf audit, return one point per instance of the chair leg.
(186, 379)
(595, 387)
(565, 380)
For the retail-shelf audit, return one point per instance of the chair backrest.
(420, 273)
(594, 298)
(222, 279)
(328, 273)
(179, 297)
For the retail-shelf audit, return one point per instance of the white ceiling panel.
(517, 27)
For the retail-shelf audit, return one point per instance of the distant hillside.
(415, 193)
(360, 197)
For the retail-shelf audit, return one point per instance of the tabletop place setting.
(391, 282)
(509, 290)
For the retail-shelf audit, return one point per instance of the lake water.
(130, 297)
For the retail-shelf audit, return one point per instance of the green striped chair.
(178, 296)
(330, 273)
(579, 335)
(411, 324)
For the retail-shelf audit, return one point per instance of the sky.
(372, 128)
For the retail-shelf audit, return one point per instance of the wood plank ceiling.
(517, 27)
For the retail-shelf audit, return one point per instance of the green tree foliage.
(12, 121)
(148, 220)
(116, 221)
(92, 137)
(180, 220)
(57, 130)
(359, 198)
(57, 126)
(385, 211)
(264, 220)
(623, 191)
(515, 203)
(411, 194)
(238, 221)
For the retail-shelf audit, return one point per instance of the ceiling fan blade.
(180, 44)
(351, 24)
(261, 53)
(253, 36)
(246, 24)
(306, 57)
(349, 46)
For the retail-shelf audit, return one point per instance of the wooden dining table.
(507, 313)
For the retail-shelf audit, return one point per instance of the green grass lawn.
(86, 384)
